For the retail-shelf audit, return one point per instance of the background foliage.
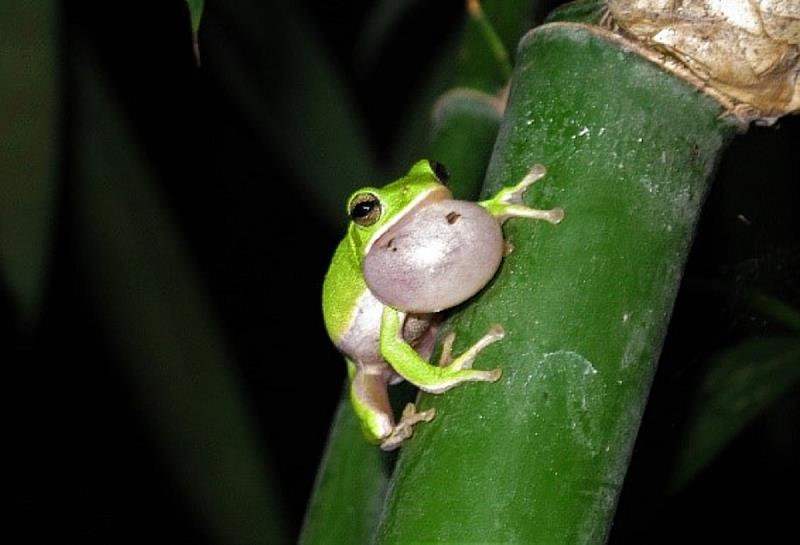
(175, 330)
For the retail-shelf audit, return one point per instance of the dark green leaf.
(300, 107)
(479, 67)
(195, 13)
(381, 20)
(742, 383)
(28, 146)
(779, 311)
(161, 324)
(413, 138)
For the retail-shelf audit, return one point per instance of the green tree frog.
(412, 251)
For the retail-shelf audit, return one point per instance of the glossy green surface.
(348, 494)
(540, 456)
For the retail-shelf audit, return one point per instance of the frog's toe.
(535, 174)
(447, 350)
(405, 428)
(494, 375)
(555, 215)
(465, 360)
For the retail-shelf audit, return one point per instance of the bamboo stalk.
(540, 456)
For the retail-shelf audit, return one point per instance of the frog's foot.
(465, 360)
(424, 375)
(507, 203)
(454, 371)
(405, 428)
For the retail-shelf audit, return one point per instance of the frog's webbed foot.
(371, 403)
(454, 371)
(507, 203)
(405, 428)
(465, 360)
(426, 376)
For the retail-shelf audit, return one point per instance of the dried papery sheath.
(745, 53)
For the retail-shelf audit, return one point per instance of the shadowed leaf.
(28, 146)
(742, 383)
(299, 107)
(384, 16)
(195, 13)
(161, 325)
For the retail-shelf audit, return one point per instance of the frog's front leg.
(368, 394)
(507, 203)
(431, 378)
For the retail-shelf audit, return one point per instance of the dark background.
(83, 460)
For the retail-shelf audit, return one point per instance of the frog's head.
(373, 211)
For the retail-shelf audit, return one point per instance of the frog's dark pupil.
(362, 209)
(440, 170)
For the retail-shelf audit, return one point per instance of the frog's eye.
(365, 209)
(440, 170)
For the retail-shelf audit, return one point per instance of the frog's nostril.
(452, 217)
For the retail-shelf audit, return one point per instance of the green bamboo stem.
(540, 456)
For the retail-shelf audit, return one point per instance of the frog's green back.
(343, 286)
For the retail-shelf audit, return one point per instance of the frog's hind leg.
(431, 378)
(368, 394)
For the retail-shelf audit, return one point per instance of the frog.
(411, 252)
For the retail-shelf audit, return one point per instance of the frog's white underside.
(361, 342)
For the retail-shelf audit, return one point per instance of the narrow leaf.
(195, 13)
(28, 146)
(299, 105)
(742, 383)
(780, 312)
(161, 323)
(506, 21)
(384, 16)
(414, 137)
